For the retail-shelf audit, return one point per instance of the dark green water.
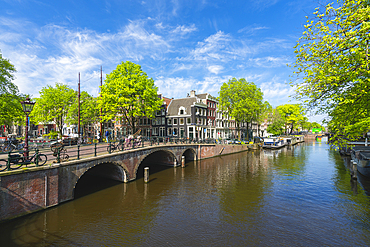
(301, 196)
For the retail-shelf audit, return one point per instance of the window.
(182, 132)
(181, 112)
(161, 131)
(155, 131)
(163, 121)
(144, 121)
(181, 121)
(188, 120)
(175, 121)
(154, 122)
(175, 131)
(169, 131)
(170, 121)
(163, 112)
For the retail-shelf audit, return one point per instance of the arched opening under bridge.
(99, 177)
(157, 161)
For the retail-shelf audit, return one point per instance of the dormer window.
(182, 110)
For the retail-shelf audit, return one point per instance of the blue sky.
(182, 44)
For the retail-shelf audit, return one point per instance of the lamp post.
(27, 108)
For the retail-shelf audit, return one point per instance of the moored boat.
(361, 155)
(273, 142)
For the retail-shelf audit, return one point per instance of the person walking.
(107, 135)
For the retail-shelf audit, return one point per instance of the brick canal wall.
(29, 190)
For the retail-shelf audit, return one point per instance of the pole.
(79, 94)
(26, 153)
(101, 111)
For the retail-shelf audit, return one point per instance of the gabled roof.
(188, 102)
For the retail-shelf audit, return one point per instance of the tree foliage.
(6, 76)
(10, 107)
(129, 94)
(291, 114)
(89, 110)
(242, 100)
(332, 58)
(276, 126)
(53, 105)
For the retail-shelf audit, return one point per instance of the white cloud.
(269, 62)
(276, 92)
(182, 29)
(215, 69)
(251, 29)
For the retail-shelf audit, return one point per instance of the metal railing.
(73, 151)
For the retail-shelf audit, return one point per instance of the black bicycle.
(18, 160)
(111, 146)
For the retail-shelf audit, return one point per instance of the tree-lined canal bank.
(295, 196)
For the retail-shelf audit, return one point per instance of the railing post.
(8, 163)
(58, 155)
(122, 144)
(109, 148)
(78, 151)
(37, 158)
(95, 148)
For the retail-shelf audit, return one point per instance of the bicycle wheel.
(65, 156)
(3, 165)
(20, 146)
(42, 159)
(7, 148)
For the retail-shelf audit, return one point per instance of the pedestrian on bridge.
(107, 135)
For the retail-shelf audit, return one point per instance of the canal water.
(298, 196)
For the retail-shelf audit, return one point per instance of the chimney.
(192, 93)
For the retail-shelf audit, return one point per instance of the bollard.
(183, 161)
(354, 168)
(95, 149)
(146, 174)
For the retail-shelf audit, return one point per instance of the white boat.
(273, 142)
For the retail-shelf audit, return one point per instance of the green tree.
(291, 114)
(89, 111)
(6, 77)
(10, 108)
(276, 126)
(53, 105)
(242, 100)
(266, 111)
(332, 58)
(128, 94)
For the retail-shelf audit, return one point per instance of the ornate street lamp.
(27, 108)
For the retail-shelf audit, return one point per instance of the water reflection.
(292, 197)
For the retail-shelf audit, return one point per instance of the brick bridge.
(29, 190)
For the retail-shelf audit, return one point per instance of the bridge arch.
(104, 170)
(190, 155)
(159, 159)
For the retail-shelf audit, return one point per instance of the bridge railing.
(68, 152)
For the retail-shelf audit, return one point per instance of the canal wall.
(29, 190)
